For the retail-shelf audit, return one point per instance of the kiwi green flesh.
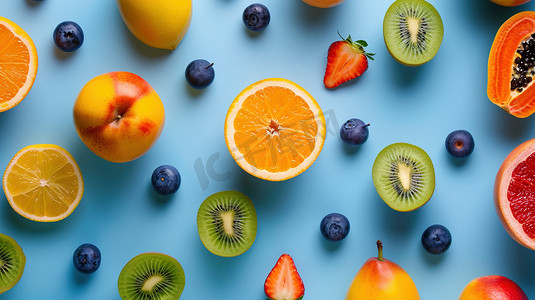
(151, 276)
(12, 262)
(404, 176)
(226, 222)
(412, 31)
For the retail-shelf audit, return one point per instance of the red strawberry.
(346, 60)
(283, 282)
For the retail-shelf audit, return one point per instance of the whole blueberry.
(256, 17)
(354, 132)
(200, 73)
(86, 258)
(334, 227)
(460, 143)
(165, 180)
(68, 36)
(436, 239)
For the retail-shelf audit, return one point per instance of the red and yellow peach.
(491, 288)
(118, 116)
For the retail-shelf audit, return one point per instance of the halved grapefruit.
(514, 194)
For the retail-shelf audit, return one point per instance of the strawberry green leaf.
(362, 43)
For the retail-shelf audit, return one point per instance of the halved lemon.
(274, 129)
(43, 183)
(18, 64)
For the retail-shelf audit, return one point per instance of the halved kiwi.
(413, 31)
(12, 262)
(152, 276)
(226, 222)
(404, 176)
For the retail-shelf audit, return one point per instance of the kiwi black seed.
(12, 262)
(413, 31)
(151, 276)
(404, 176)
(226, 222)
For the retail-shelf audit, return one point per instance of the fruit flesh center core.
(228, 218)
(273, 127)
(414, 26)
(404, 175)
(4, 266)
(523, 69)
(151, 282)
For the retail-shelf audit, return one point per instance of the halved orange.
(43, 183)
(274, 129)
(514, 194)
(18, 64)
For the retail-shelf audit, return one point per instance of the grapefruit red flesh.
(514, 194)
(521, 194)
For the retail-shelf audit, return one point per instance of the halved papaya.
(511, 66)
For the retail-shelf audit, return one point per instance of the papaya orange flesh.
(516, 30)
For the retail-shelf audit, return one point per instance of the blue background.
(121, 214)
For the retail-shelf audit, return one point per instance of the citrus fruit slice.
(274, 129)
(514, 194)
(43, 183)
(18, 64)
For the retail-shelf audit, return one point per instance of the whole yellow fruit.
(158, 23)
(118, 116)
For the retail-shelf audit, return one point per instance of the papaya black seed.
(523, 70)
